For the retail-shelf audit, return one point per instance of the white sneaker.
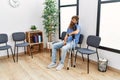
(60, 66)
(51, 65)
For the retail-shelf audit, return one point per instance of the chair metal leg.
(7, 53)
(82, 54)
(82, 57)
(14, 50)
(75, 59)
(31, 52)
(12, 54)
(24, 51)
(88, 63)
(17, 54)
(97, 56)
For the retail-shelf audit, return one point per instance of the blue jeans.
(64, 49)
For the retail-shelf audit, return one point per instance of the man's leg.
(63, 55)
(54, 51)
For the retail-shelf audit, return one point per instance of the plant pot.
(49, 45)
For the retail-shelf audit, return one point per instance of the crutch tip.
(74, 66)
(67, 68)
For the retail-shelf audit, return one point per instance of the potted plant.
(33, 27)
(50, 18)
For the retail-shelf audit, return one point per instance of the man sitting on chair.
(73, 32)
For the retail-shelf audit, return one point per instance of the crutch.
(70, 55)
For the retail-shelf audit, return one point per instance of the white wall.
(88, 21)
(21, 18)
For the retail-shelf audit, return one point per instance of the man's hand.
(64, 43)
(65, 38)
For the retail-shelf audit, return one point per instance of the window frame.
(98, 23)
(68, 5)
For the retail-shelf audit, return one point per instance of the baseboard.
(10, 55)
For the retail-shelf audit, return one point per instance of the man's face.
(74, 21)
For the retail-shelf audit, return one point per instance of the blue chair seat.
(5, 47)
(77, 47)
(86, 51)
(22, 44)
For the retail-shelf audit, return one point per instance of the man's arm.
(67, 35)
(74, 32)
(65, 39)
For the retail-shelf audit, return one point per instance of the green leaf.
(50, 16)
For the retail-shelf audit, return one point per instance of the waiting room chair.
(4, 45)
(78, 47)
(19, 38)
(92, 41)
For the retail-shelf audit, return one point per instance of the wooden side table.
(35, 38)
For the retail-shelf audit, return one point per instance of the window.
(67, 8)
(108, 24)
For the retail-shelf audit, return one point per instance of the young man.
(73, 32)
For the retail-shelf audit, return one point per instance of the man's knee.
(64, 48)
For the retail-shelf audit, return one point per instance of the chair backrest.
(81, 39)
(18, 36)
(63, 35)
(3, 38)
(93, 41)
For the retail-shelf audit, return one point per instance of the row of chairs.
(18, 38)
(92, 41)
